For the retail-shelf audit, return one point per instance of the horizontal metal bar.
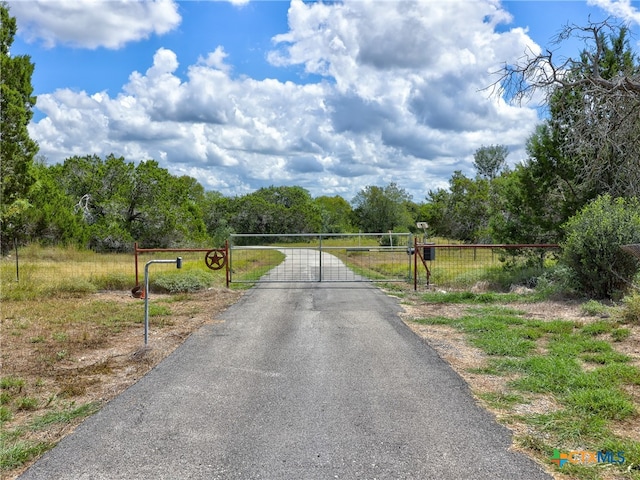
(318, 235)
(157, 250)
(488, 246)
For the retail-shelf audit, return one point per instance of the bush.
(180, 282)
(592, 246)
(631, 309)
(557, 281)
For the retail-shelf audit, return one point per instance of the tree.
(530, 204)
(54, 217)
(122, 203)
(274, 210)
(489, 161)
(215, 207)
(294, 209)
(17, 149)
(594, 106)
(381, 209)
(335, 213)
(462, 212)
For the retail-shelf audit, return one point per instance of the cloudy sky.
(331, 97)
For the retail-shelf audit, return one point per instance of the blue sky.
(332, 97)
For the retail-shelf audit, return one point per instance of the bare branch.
(539, 73)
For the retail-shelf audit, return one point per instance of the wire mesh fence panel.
(39, 269)
(464, 266)
(36, 270)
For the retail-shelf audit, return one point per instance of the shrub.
(631, 309)
(592, 246)
(186, 281)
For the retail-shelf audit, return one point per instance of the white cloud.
(402, 101)
(619, 8)
(94, 23)
(216, 59)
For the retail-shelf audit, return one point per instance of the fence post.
(226, 247)
(415, 263)
(135, 256)
(15, 246)
(320, 269)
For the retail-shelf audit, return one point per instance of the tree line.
(107, 204)
(584, 159)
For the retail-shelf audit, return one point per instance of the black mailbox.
(429, 252)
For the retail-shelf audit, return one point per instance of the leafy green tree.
(17, 149)
(589, 146)
(157, 210)
(215, 209)
(531, 204)
(54, 217)
(489, 161)
(122, 203)
(336, 214)
(381, 209)
(252, 214)
(275, 210)
(462, 211)
(294, 208)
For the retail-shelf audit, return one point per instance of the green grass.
(620, 334)
(248, 265)
(5, 414)
(471, 297)
(575, 364)
(597, 328)
(64, 416)
(18, 448)
(11, 383)
(26, 403)
(18, 453)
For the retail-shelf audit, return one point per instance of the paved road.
(300, 381)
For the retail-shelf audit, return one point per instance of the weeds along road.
(298, 381)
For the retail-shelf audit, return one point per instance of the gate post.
(320, 270)
(415, 263)
(228, 269)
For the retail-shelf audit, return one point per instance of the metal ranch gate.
(364, 257)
